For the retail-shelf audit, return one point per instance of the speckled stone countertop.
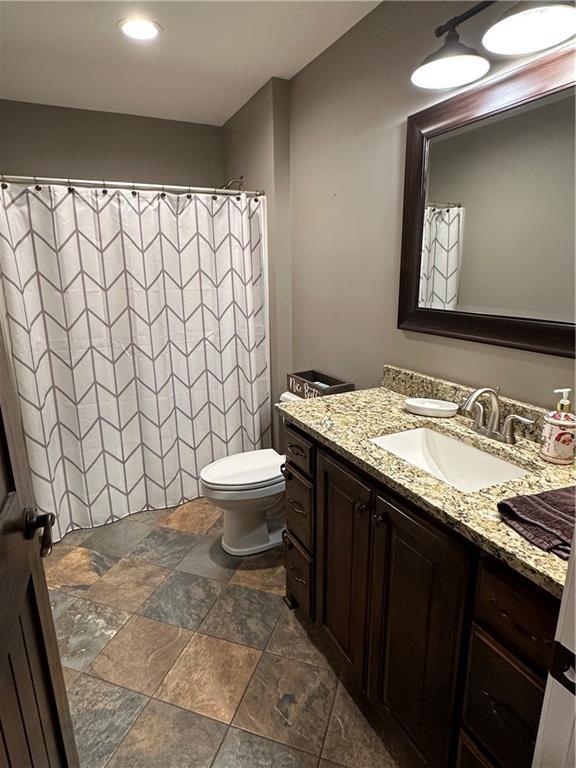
(345, 423)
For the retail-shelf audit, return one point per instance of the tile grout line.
(149, 698)
(329, 718)
(132, 614)
(245, 689)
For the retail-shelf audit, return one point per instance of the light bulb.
(140, 29)
(531, 27)
(451, 65)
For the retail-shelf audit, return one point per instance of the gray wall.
(515, 179)
(348, 126)
(38, 140)
(257, 145)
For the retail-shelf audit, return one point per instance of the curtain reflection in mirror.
(441, 260)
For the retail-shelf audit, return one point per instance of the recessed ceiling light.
(140, 29)
(531, 26)
(451, 65)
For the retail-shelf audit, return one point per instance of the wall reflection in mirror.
(498, 235)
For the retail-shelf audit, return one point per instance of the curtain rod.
(179, 189)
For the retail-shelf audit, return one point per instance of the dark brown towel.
(544, 519)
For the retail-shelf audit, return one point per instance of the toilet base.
(252, 526)
(274, 540)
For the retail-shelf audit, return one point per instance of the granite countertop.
(345, 423)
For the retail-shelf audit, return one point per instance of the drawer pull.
(296, 449)
(510, 719)
(506, 616)
(286, 472)
(296, 506)
(296, 577)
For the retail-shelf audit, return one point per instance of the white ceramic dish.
(423, 406)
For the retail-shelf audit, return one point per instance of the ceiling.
(209, 60)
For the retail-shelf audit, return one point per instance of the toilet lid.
(253, 469)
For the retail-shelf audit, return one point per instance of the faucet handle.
(508, 427)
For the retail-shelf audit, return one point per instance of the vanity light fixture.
(140, 28)
(453, 64)
(531, 26)
(527, 27)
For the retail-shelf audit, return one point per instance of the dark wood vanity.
(443, 647)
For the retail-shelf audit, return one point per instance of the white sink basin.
(460, 465)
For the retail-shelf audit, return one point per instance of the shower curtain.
(441, 256)
(137, 326)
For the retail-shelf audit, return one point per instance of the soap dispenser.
(559, 432)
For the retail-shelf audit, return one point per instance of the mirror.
(488, 235)
(498, 232)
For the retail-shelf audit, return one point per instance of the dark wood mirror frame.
(545, 76)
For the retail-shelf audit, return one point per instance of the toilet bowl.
(249, 489)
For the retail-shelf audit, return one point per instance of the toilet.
(249, 489)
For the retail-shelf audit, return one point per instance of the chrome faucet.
(491, 428)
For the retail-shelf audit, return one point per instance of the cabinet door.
(343, 517)
(419, 590)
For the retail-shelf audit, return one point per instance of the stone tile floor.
(178, 655)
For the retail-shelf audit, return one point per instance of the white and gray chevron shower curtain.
(137, 327)
(441, 261)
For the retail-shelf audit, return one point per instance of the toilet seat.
(231, 493)
(245, 472)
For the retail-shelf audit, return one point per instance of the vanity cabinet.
(343, 561)
(447, 647)
(419, 588)
(502, 703)
(512, 639)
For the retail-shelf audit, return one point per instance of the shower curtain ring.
(104, 190)
(70, 187)
(189, 195)
(4, 185)
(37, 186)
(133, 190)
(214, 195)
(163, 193)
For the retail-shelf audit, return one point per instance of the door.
(35, 725)
(343, 519)
(419, 586)
(556, 742)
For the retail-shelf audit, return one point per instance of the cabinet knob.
(378, 518)
(286, 472)
(361, 508)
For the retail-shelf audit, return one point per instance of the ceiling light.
(531, 26)
(140, 29)
(451, 65)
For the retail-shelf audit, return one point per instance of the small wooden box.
(316, 384)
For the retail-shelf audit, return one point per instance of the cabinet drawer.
(299, 451)
(299, 573)
(469, 756)
(299, 505)
(503, 702)
(518, 615)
